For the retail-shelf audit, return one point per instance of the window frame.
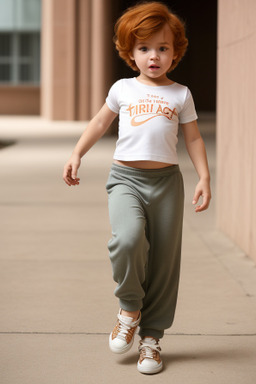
(15, 60)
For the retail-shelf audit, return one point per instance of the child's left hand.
(202, 189)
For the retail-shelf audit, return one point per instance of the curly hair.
(141, 22)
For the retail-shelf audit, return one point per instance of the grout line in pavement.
(105, 334)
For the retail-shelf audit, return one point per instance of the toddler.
(145, 186)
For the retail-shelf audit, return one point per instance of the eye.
(143, 49)
(163, 49)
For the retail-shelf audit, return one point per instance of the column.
(58, 93)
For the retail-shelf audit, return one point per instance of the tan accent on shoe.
(155, 352)
(130, 332)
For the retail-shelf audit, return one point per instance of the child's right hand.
(70, 170)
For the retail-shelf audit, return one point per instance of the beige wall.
(236, 131)
(19, 100)
(76, 69)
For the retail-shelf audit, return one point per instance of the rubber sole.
(118, 350)
(148, 371)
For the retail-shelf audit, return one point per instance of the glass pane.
(5, 44)
(5, 72)
(7, 16)
(25, 72)
(25, 48)
(28, 15)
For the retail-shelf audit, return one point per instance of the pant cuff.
(130, 306)
(156, 333)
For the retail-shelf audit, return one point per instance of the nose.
(154, 55)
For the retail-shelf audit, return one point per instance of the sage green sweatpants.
(146, 215)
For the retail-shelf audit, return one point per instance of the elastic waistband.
(160, 172)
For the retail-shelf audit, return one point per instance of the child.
(145, 186)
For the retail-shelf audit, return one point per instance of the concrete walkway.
(57, 302)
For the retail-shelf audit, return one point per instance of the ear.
(131, 56)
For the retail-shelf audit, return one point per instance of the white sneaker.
(149, 361)
(122, 337)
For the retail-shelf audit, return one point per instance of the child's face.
(154, 56)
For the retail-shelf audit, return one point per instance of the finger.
(204, 205)
(67, 182)
(199, 208)
(74, 172)
(66, 179)
(66, 172)
(196, 197)
(69, 175)
(73, 181)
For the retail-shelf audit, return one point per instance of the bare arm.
(196, 150)
(93, 132)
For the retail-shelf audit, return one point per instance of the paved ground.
(57, 302)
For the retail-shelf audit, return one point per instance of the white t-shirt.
(149, 118)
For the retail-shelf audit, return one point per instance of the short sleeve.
(112, 99)
(188, 112)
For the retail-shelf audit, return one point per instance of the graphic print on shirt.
(149, 108)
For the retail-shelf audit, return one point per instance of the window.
(20, 25)
(19, 57)
(5, 57)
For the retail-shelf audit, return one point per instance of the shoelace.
(149, 350)
(125, 326)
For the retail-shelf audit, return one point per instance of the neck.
(154, 82)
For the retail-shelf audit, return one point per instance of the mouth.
(154, 67)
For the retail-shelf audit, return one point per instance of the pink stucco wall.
(236, 127)
(76, 36)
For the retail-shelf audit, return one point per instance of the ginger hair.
(141, 22)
